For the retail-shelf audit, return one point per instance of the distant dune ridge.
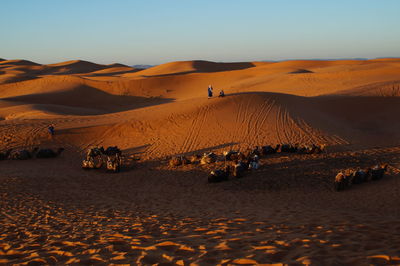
(171, 100)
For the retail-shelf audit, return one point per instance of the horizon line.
(265, 60)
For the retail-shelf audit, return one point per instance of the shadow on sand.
(86, 100)
(200, 66)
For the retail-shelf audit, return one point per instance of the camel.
(22, 154)
(289, 148)
(91, 164)
(114, 163)
(349, 177)
(208, 158)
(236, 156)
(239, 168)
(5, 155)
(265, 150)
(360, 176)
(48, 153)
(309, 149)
(339, 183)
(175, 161)
(343, 179)
(378, 171)
(230, 155)
(178, 160)
(194, 159)
(95, 151)
(93, 158)
(319, 148)
(304, 149)
(219, 175)
(111, 151)
(114, 160)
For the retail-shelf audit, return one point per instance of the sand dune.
(199, 66)
(18, 62)
(383, 89)
(265, 117)
(115, 69)
(53, 212)
(21, 70)
(73, 67)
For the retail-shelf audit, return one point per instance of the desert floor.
(286, 212)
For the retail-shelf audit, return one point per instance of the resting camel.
(239, 168)
(265, 150)
(236, 155)
(178, 160)
(93, 158)
(175, 161)
(194, 158)
(208, 158)
(48, 153)
(319, 148)
(343, 180)
(304, 149)
(360, 176)
(288, 148)
(5, 155)
(22, 154)
(311, 149)
(111, 151)
(378, 171)
(340, 182)
(114, 163)
(114, 159)
(219, 175)
(230, 155)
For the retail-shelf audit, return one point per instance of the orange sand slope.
(165, 107)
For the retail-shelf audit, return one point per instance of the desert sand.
(286, 212)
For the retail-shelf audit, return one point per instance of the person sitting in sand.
(221, 93)
(210, 91)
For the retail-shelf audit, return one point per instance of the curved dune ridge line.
(20, 70)
(384, 89)
(18, 62)
(198, 66)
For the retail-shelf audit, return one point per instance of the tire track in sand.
(260, 133)
(190, 141)
(254, 120)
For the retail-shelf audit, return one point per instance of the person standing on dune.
(51, 131)
(210, 91)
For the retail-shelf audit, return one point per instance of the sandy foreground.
(53, 212)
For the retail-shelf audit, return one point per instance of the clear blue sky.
(158, 31)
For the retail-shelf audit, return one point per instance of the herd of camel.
(243, 161)
(239, 162)
(347, 178)
(94, 158)
(30, 154)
